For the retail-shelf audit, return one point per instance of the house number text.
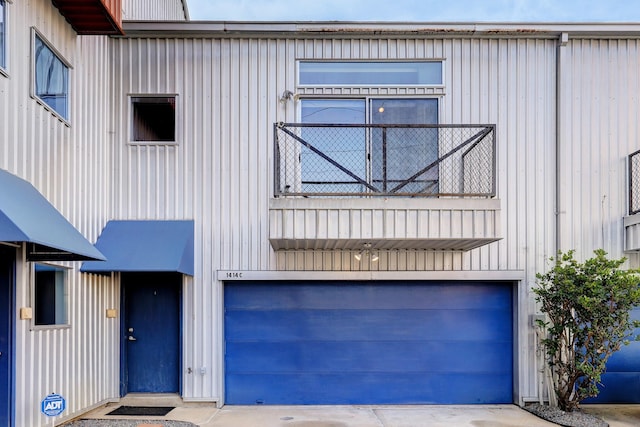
(234, 275)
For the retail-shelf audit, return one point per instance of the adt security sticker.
(53, 405)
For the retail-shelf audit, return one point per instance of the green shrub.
(587, 307)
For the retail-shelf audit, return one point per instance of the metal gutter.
(386, 29)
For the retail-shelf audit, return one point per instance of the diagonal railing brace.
(479, 136)
(328, 159)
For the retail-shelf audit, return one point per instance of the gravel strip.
(576, 418)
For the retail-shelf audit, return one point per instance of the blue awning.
(26, 216)
(145, 246)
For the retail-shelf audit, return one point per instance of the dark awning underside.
(26, 216)
(145, 246)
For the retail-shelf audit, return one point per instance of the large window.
(336, 149)
(50, 295)
(347, 159)
(401, 153)
(51, 78)
(3, 34)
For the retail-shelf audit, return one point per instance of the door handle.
(131, 338)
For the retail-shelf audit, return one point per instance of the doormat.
(142, 410)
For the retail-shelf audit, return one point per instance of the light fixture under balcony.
(366, 250)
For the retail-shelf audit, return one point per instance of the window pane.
(154, 118)
(404, 152)
(51, 78)
(371, 73)
(336, 146)
(3, 20)
(50, 295)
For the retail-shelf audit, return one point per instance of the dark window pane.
(49, 291)
(154, 119)
(45, 298)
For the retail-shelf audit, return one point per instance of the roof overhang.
(92, 17)
(27, 216)
(145, 246)
(317, 29)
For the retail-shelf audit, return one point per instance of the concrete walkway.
(207, 415)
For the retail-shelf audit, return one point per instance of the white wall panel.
(70, 166)
(599, 129)
(154, 10)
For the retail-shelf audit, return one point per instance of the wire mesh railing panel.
(315, 160)
(634, 183)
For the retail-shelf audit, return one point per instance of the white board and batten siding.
(220, 172)
(599, 94)
(69, 164)
(155, 10)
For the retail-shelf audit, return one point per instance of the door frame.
(124, 382)
(11, 253)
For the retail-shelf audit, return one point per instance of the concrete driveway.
(616, 415)
(375, 416)
(207, 415)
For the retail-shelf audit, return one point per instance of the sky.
(417, 10)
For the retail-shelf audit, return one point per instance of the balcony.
(632, 221)
(345, 187)
(92, 17)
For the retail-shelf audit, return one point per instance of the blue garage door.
(368, 343)
(621, 382)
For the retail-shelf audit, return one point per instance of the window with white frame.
(381, 161)
(51, 77)
(50, 295)
(153, 119)
(3, 34)
(347, 158)
(370, 73)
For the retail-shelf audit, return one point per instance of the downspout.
(546, 376)
(562, 43)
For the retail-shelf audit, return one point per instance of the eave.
(92, 17)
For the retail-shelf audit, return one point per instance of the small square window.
(51, 78)
(50, 295)
(154, 118)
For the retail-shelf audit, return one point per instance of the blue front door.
(151, 332)
(7, 260)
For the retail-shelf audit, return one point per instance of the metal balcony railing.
(325, 160)
(634, 183)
